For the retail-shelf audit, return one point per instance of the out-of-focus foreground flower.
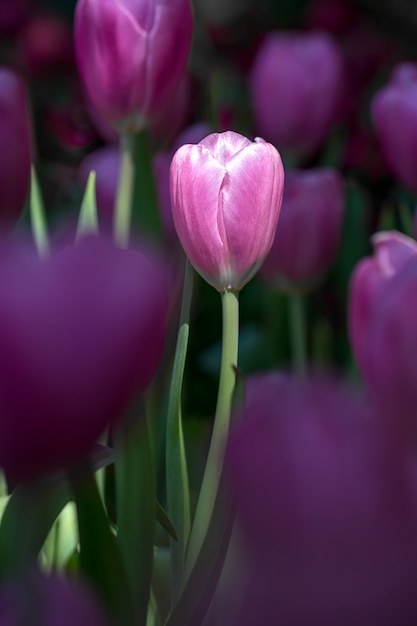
(327, 508)
(81, 333)
(226, 195)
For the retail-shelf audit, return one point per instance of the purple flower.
(131, 55)
(309, 228)
(294, 85)
(392, 250)
(326, 505)
(81, 334)
(226, 194)
(394, 116)
(50, 601)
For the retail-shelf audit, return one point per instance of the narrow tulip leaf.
(194, 601)
(27, 520)
(100, 557)
(165, 522)
(177, 485)
(88, 221)
(135, 506)
(37, 216)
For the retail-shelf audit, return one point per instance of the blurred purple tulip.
(309, 228)
(394, 116)
(132, 55)
(294, 86)
(106, 163)
(16, 135)
(51, 601)
(391, 361)
(226, 195)
(327, 509)
(81, 334)
(392, 250)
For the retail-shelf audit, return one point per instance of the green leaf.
(165, 522)
(100, 557)
(37, 216)
(27, 520)
(87, 221)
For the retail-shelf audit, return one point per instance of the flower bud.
(226, 194)
(16, 136)
(81, 333)
(131, 55)
(309, 228)
(392, 250)
(294, 85)
(394, 116)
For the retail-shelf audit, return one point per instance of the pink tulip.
(294, 85)
(81, 334)
(16, 137)
(326, 506)
(394, 116)
(226, 195)
(131, 55)
(392, 250)
(309, 228)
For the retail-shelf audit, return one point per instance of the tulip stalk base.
(214, 464)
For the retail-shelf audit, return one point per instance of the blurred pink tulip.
(326, 506)
(394, 116)
(392, 250)
(16, 137)
(132, 55)
(226, 195)
(309, 228)
(294, 86)
(45, 44)
(81, 334)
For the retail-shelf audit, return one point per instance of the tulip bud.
(132, 55)
(325, 509)
(309, 229)
(294, 85)
(392, 250)
(15, 136)
(394, 116)
(81, 333)
(226, 195)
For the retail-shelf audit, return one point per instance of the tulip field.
(208, 313)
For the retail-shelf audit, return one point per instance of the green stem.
(298, 333)
(125, 190)
(178, 498)
(136, 507)
(214, 463)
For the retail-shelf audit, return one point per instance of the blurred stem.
(145, 215)
(214, 463)
(297, 323)
(136, 506)
(178, 497)
(37, 216)
(125, 189)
